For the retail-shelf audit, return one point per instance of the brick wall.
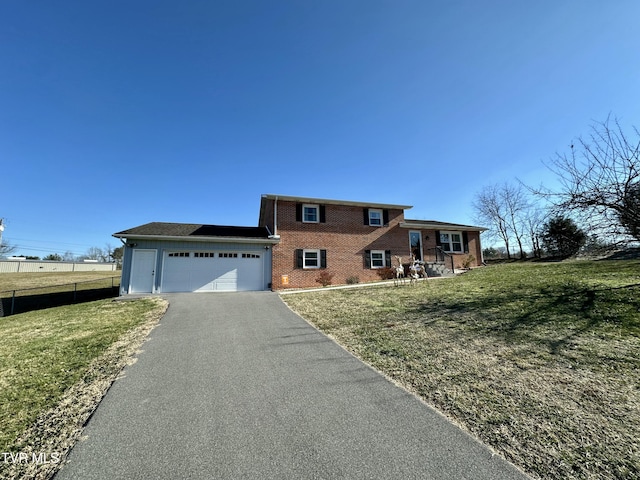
(345, 237)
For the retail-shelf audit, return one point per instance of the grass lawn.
(19, 281)
(39, 290)
(55, 365)
(541, 361)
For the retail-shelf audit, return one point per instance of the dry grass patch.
(55, 366)
(540, 361)
(20, 281)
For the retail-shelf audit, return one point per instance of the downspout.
(275, 217)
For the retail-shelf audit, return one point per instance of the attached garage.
(171, 257)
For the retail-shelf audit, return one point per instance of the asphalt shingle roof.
(163, 229)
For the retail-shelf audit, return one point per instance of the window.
(250, 255)
(178, 254)
(310, 213)
(227, 255)
(451, 242)
(375, 217)
(311, 258)
(377, 259)
(204, 254)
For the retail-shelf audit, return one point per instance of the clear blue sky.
(118, 113)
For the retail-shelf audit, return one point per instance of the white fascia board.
(327, 201)
(442, 226)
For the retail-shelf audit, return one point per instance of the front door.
(143, 269)
(415, 245)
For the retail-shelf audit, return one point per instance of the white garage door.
(211, 271)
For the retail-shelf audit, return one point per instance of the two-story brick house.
(296, 239)
(356, 239)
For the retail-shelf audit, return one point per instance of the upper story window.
(310, 213)
(451, 242)
(375, 217)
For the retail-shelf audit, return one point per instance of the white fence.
(30, 266)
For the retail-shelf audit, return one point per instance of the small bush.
(466, 263)
(353, 280)
(386, 273)
(324, 278)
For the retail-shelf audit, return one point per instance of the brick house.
(297, 238)
(357, 239)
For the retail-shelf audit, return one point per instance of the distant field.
(539, 360)
(19, 281)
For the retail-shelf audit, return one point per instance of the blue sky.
(118, 113)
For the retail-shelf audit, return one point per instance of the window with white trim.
(451, 242)
(311, 213)
(311, 259)
(377, 259)
(375, 217)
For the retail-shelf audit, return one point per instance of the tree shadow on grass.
(553, 315)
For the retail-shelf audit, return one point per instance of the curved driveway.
(238, 386)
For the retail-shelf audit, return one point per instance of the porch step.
(436, 269)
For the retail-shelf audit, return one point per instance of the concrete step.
(435, 269)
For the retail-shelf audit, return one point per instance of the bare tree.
(6, 249)
(516, 206)
(504, 209)
(534, 220)
(491, 211)
(600, 181)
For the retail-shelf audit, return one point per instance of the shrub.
(468, 260)
(324, 278)
(386, 273)
(353, 280)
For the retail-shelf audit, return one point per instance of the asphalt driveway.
(237, 386)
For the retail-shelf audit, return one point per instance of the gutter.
(268, 241)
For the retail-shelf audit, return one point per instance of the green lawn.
(539, 360)
(48, 353)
